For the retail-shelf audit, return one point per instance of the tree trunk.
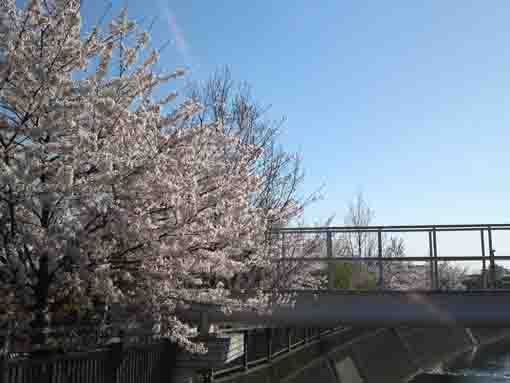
(40, 323)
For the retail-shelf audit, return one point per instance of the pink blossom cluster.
(106, 193)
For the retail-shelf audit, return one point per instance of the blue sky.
(406, 101)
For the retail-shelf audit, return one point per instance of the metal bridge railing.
(307, 245)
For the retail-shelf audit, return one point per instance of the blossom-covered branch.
(107, 193)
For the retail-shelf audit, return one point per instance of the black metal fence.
(16, 341)
(323, 245)
(108, 354)
(149, 363)
(152, 362)
(262, 345)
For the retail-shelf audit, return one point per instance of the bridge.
(344, 330)
(383, 306)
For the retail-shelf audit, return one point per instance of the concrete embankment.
(371, 355)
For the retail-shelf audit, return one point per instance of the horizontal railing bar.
(276, 354)
(403, 228)
(240, 329)
(257, 362)
(318, 232)
(59, 332)
(229, 370)
(385, 259)
(362, 230)
(298, 343)
(101, 354)
(111, 325)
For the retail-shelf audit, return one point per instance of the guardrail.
(17, 341)
(262, 345)
(324, 238)
(147, 363)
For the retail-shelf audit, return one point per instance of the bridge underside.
(485, 308)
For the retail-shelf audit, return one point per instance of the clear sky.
(408, 101)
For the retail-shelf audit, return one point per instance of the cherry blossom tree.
(108, 193)
(231, 105)
(451, 276)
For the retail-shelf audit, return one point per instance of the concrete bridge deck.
(312, 308)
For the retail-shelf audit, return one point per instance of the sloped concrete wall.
(490, 335)
(396, 355)
(370, 355)
(318, 371)
(382, 357)
(430, 346)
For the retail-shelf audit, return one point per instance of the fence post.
(436, 270)
(484, 267)
(49, 372)
(269, 340)
(245, 356)
(431, 253)
(379, 250)
(168, 370)
(492, 262)
(209, 376)
(3, 367)
(281, 266)
(331, 264)
(114, 362)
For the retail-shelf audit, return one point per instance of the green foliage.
(350, 276)
(343, 275)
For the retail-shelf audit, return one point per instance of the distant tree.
(395, 274)
(473, 282)
(365, 244)
(360, 214)
(231, 105)
(500, 271)
(451, 276)
(349, 276)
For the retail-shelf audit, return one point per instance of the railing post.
(484, 267)
(436, 269)
(431, 253)
(167, 369)
(245, 356)
(379, 253)
(116, 350)
(281, 267)
(331, 264)
(289, 339)
(269, 339)
(3, 367)
(210, 376)
(47, 376)
(492, 261)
